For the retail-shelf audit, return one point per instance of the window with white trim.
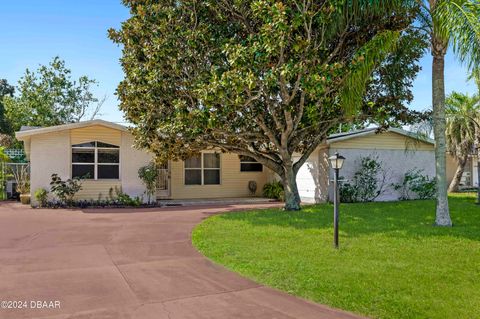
(96, 160)
(203, 169)
(249, 164)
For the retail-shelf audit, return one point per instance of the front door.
(163, 181)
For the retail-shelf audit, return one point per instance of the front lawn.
(391, 263)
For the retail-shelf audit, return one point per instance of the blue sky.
(33, 32)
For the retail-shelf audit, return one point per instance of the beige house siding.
(233, 183)
(96, 133)
(385, 140)
(49, 154)
(97, 190)
(451, 168)
(469, 177)
(131, 160)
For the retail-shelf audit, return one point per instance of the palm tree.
(462, 112)
(453, 23)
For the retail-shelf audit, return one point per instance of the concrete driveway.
(120, 264)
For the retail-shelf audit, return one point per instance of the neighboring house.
(470, 174)
(105, 152)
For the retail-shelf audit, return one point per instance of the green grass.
(392, 263)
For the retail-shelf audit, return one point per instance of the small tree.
(149, 174)
(65, 190)
(50, 96)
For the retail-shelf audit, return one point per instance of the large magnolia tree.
(261, 78)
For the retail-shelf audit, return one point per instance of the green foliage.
(3, 156)
(41, 195)
(348, 192)
(391, 263)
(125, 199)
(274, 190)
(260, 78)
(65, 190)
(463, 118)
(149, 174)
(457, 22)
(5, 90)
(49, 96)
(422, 186)
(3, 174)
(367, 183)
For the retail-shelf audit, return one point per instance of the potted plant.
(20, 174)
(24, 190)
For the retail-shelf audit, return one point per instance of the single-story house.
(104, 151)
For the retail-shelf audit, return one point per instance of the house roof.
(28, 128)
(373, 130)
(27, 131)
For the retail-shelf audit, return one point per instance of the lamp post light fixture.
(336, 162)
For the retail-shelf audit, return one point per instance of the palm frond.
(458, 22)
(462, 116)
(370, 56)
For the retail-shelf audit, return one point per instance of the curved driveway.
(123, 264)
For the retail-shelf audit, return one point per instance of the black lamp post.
(336, 162)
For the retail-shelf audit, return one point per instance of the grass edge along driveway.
(392, 263)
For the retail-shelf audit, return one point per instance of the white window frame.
(249, 162)
(202, 169)
(96, 163)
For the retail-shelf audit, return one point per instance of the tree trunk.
(439, 126)
(461, 161)
(292, 197)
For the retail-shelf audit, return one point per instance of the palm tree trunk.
(439, 126)
(461, 161)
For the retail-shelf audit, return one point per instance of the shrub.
(415, 182)
(148, 174)
(348, 192)
(367, 183)
(273, 190)
(125, 199)
(65, 190)
(41, 195)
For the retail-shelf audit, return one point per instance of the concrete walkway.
(124, 264)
